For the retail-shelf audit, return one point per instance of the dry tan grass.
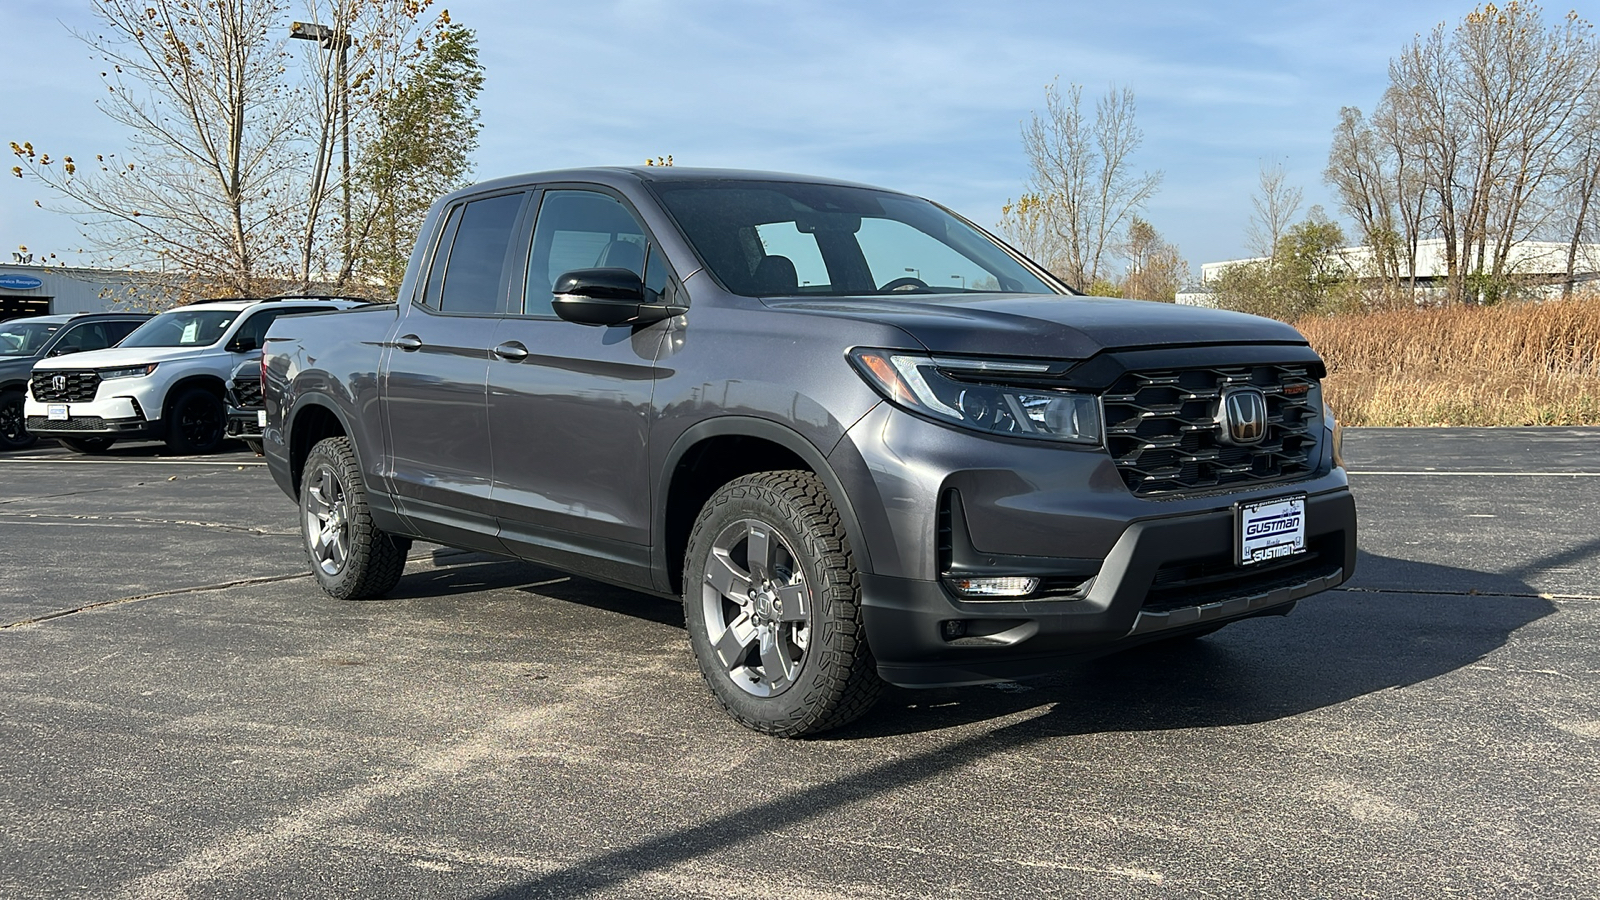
(1522, 364)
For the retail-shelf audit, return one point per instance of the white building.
(1542, 263)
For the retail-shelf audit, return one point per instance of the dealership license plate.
(261, 418)
(57, 412)
(1270, 529)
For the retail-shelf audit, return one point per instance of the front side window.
(183, 328)
(782, 239)
(580, 230)
(25, 339)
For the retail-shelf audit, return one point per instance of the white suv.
(163, 382)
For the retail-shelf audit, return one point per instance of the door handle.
(511, 351)
(408, 342)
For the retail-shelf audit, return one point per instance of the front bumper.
(244, 422)
(120, 416)
(931, 500)
(906, 619)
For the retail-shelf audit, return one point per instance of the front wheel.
(773, 607)
(87, 445)
(195, 423)
(13, 424)
(351, 558)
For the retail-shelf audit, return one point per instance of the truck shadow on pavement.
(1335, 647)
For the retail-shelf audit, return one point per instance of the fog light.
(1008, 586)
(954, 628)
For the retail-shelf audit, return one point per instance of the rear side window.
(88, 336)
(119, 330)
(473, 258)
(252, 334)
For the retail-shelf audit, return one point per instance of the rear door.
(570, 405)
(435, 381)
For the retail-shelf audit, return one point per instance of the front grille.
(1162, 429)
(77, 387)
(247, 392)
(76, 423)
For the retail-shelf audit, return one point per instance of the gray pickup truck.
(862, 440)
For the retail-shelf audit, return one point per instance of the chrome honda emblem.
(59, 382)
(1244, 416)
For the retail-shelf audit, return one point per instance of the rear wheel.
(772, 604)
(13, 425)
(254, 444)
(87, 444)
(351, 558)
(195, 422)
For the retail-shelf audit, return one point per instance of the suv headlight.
(127, 372)
(921, 384)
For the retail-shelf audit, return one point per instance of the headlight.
(920, 383)
(127, 372)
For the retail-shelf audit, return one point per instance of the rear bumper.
(906, 618)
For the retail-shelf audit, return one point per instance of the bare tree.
(1473, 142)
(1275, 205)
(210, 156)
(1082, 179)
(230, 165)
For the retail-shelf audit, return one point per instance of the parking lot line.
(1485, 474)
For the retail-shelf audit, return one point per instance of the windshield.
(25, 339)
(182, 328)
(781, 239)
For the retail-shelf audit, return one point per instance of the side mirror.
(609, 296)
(242, 344)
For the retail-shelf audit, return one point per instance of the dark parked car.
(863, 440)
(24, 342)
(246, 415)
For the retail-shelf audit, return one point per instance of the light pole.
(916, 272)
(329, 39)
(962, 278)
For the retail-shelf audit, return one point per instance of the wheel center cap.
(766, 604)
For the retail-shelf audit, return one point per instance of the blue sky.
(926, 97)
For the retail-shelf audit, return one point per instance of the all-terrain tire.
(772, 601)
(196, 423)
(352, 558)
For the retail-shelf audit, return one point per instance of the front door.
(569, 404)
(435, 383)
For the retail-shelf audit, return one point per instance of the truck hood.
(1049, 326)
(117, 357)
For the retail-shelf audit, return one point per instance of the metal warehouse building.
(44, 290)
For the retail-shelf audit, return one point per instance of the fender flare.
(763, 429)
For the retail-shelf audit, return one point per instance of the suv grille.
(1162, 429)
(247, 392)
(77, 387)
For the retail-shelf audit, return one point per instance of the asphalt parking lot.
(183, 714)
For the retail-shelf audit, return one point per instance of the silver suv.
(165, 381)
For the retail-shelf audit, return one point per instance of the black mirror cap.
(242, 345)
(608, 296)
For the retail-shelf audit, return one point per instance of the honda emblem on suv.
(1244, 416)
(59, 382)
